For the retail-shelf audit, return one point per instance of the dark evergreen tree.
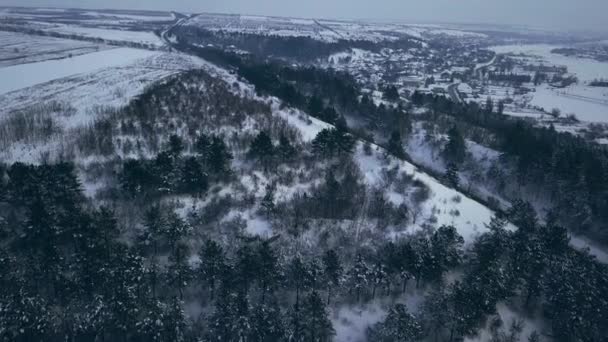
(451, 176)
(395, 145)
(219, 156)
(194, 180)
(501, 107)
(296, 276)
(262, 149)
(399, 325)
(179, 272)
(359, 277)
(391, 93)
(165, 172)
(286, 151)
(333, 271)
(268, 271)
(174, 323)
(135, 178)
(455, 150)
(489, 105)
(176, 145)
(318, 327)
(267, 323)
(203, 146)
(268, 206)
(213, 264)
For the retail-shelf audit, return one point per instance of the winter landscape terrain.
(172, 176)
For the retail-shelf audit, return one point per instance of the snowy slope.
(472, 217)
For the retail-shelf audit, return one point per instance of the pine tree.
(212, 264)
(203, 146)
(324, 143)
(135, 178)
(262, 149)
(286, 150)
(176, 230)
(378, 277)
(489, 105)
(333, 271)
(174, 322)
(345, 142)
(395, 145)
(268, 269)
(176, 145)
(164, 169)
(391, 93)
(194, 180)
(296, 276)
(179, 272)
(268, 206)
(359, 276)
(297, 325)
(155, 225)
(446, 251)
(267, 323)
(399, 325)
(501, 107)
(219, 156)
(318, 327)
(231, 318)
(314, 274)
(455, 150)
(247, 266)
(451, 176)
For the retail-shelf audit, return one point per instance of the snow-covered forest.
(182, 182)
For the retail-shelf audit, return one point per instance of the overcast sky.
(566, 14)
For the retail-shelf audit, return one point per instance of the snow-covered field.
(127, 36)
(325, 30)
(26, 75)
(587, 103)
(17, 48)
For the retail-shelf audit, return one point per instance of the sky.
(564, 14)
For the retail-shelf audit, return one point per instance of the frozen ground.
(17, 48)
(139, 37)
(325, 30)
(589, 104)
(26, 75)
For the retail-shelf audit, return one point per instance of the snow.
(472, 217)
(130, 17)
(18, 48)
(456, 33)
(584, 68)
(87, 93)
(351, 323)
(583, 243)
(587, 103)
(140, 37)
(26, 75)
(570, 101)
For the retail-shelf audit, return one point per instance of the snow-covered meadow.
(589, 104)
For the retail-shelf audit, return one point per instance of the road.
(478, 67)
